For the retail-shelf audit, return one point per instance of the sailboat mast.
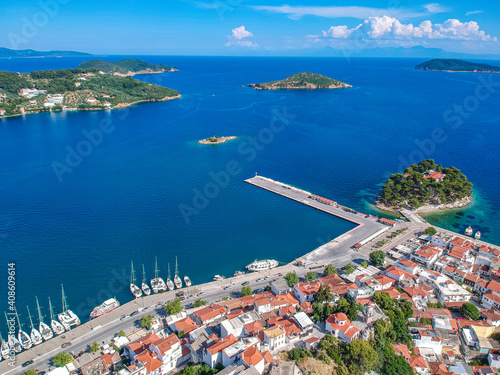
(18, 321)
(176, 269)
(156, 268)
(51, 310)
(64, 304)
(143, 275)
(29, 316)
(132, 273)
(169, 271)
(40, 317)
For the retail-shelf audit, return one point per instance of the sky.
(256, 27)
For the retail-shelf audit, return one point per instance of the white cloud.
(436, 8)
(237, 36)
(474, 12)
(389, 28)
(296, 12)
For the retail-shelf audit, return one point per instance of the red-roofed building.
(434, 175)
(306, 291)
(253, 358)
(491, 301)
(212, 355)
(275, 337)
(492, 316)
(291, 328)
(312, 342)
(268, 358)
(185, 325)
(418, 363)
(339, 326)
(397, 274)
(385, 221)
(402, 350)
(426, 255)
(208, 314)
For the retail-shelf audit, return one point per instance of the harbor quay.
(339, 251)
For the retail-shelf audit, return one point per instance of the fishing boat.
(43, 328)
(157, 284)
(4, 348)
(67, 318)
(261, 265)
(23, 338)
(170, 284)
(35, 336)
(145, 287)
(177, 279)
(134, 289)
(105, 307)
(477, 236)
(56, 327)
(469, 231)
(187, 281)
(219, 278)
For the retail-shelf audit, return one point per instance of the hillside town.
(445, 289)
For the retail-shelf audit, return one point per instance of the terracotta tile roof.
(331, 280)
(247, 300)
(437, 368)
(152, 363)
(142, 343)
(164, 345)
(491, 315)
(262, 302)
(494, 286)
(185, 325)
(290, 326)
(222, 344)
(348, 329)
(311, 340)
(235, 313)
(274, 332)
(408, 263)
(402, 350)
(266, 294)
(254, 327)
(417, 361)
(384, 280)
(308, 288)
(268, 358)
(252, 356)
(414, 292)
(210, 312)
(387, 221)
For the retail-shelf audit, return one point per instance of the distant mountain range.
(6, 52)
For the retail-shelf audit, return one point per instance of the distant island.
(425, 187)
(304, 81)
(126, 67)
(73, 90)
(215, 140)
(8, 53)
(455, 65)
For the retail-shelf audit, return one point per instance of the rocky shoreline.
(308, 86)
(215, 140)
(429, 207)
(146, 71)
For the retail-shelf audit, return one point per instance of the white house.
(305, 292)
(428, 339)
(339, 326)
(275, 337)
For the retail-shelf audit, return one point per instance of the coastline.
(220, 140)
(460, 71)
(428, 208)
(146, 71)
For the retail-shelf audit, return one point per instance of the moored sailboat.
(170, 284)
(43, 328)
(13, 343)
(469, 231)
(35, 336)
(177, 279)
(134, 289)
(4, 348)
(23, 338)
(145, 287)
(56, 327)
(187, 281)
(67, 318)
(157, 284)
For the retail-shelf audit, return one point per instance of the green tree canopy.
(147, 321)
(430, 231)
(173, 307)
(246, 290)
(469, 311)
(348, 269)
(377, 258)
(311, 276)
(360, 357)
(62, 359)
(31, 372)
(329, 270)
(291, 279)
(122, 333)
(94, 347)
(199, 302)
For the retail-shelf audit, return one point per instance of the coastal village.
(424, 301)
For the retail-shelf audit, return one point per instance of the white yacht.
(35, 336)
(469, 231)
(219, 278)
(145, 287)
(67, 318)
(134, 289)
(187, 281)
(170, 284)
(56, 327)
(261, 265)
(43, 328)
(477, 236)
(105, 307)
(4, 348)
(23, 338)
(157, 284)
(177, 279)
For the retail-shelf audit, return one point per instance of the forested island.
(126, 67)
(455, 65)
(74, 89)
(215, 140)
(8, 53)
(304, 81)
(426, 186)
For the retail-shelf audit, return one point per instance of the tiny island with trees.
(456, 65)
(92, 86)
(302, 81)
(425, 186)
(216, 140)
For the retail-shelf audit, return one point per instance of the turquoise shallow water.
(122, 201)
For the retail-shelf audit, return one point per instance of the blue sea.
(84, 194)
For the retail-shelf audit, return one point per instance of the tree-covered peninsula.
(426, 186)
(304, 81)
(126, 67)
(73, 89)
(455, 65)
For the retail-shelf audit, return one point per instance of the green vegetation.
(62, 359)
(414, 189)
(425, 321)
(469, 311)
(94, 347)
(298, 354)
(438, 305)
(311, 276)
(431, 231)
(377, 258)
(323, 295)
(291, 279)
(124, 66)
(146, 321)
(303, 80)
(201, 369)
(364, 264)
(348, 269)
(122, 333)
(199, 302)
(77, 85)
(330, 270)
(246, 290)
(455, 65)
(173, 307)
(31, 372)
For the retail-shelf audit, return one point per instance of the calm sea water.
(122, 200)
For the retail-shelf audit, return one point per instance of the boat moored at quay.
(105, 307)
(262, 265)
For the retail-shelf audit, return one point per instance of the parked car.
(245, 283)
(65, 345)
(27, 363)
